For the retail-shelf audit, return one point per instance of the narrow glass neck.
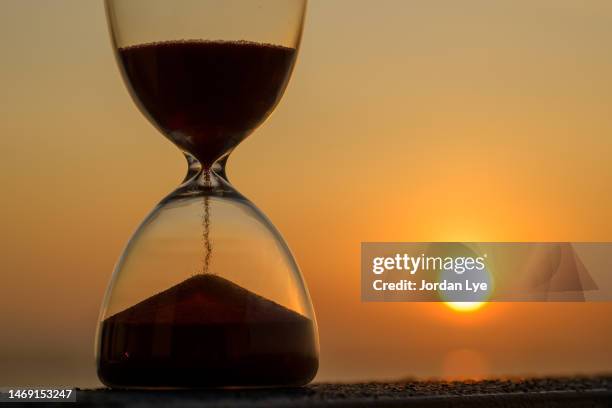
(211, 181)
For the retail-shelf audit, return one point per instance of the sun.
(465, 307)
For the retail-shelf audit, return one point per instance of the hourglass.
(206, 293)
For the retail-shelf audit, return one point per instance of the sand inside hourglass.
(207, 330)
(207, 96)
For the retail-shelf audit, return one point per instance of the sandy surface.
(547, 392)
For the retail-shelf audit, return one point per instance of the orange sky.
(404, 121)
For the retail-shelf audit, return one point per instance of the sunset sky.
(405, 120)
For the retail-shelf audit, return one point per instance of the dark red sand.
(207, 332)
(207, 95)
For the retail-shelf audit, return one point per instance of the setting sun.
(465, 306)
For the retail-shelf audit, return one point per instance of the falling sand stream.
(206, 224)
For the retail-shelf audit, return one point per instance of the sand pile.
(207, 331)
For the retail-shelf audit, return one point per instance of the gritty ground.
(544, 392)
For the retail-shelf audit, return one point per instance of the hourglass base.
(223, 355)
